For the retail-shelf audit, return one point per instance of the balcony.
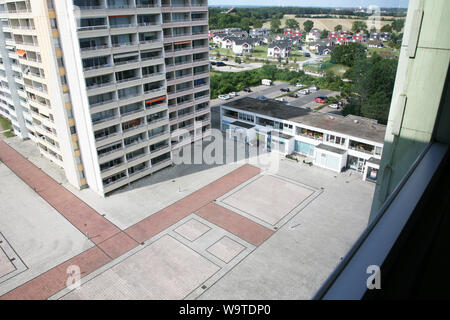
(92, 28)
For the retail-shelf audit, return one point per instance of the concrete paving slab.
(5, 265)
(166, 269)
(234, 223)
(226, 249)
(268, 198)
(38, 234)
(163, 219)
(192, 230)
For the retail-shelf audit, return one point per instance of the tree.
(348, 54)
(257, 23)
(324, 34)
(373, 83)
(308, 25)
(275, 25)
(398, 24)
(386, 28)
(373, 30)
(338, 28)
(358, 26)
(292, 24)
(245, 24)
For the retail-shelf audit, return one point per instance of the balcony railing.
(90, 28)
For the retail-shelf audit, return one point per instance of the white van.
(266, 82)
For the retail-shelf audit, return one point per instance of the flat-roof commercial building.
(106, 88)
(329, 141)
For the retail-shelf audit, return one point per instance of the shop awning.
(182, 42)
(21, 53)
(155, 100)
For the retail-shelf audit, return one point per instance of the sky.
(314, 3)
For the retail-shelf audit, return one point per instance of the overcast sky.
(315, 3)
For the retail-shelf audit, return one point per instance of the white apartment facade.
(111, 86)
(329, 141)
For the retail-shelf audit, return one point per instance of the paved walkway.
(110, 241)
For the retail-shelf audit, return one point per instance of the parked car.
(213, 63)
(224, 59)
(299, 48)
(280, 99)
(285, 90)
(266, 82)
(304, 91)
(320, 100)
(247, 90)
(221, 64)
(299, 85)
(314, 88)
(293, 95)
(306, 54)
(334, 106)
(233, 94)
(248, 55)
(224, 97)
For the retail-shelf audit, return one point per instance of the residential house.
(242, 46)
(314, 46)
(293, 33)
(321, 50)
(313, 35)
(375, 44)
(259, 32)
(385, 36)
(359, 37)
(279, 49)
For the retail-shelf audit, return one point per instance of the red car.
(320, 100)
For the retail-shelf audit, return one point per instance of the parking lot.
(274, 91)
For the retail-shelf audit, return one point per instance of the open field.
(328, 24)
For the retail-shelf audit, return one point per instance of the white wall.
(80, 104)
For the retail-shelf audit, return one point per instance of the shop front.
(329, 157)
(371, 170)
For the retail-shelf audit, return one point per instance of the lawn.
(384, 52)
(337, 69)
(223, 52)
(5, 124)
(260, 51)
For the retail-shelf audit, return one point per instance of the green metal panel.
(421, 79)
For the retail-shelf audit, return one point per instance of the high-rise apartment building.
(107, 89)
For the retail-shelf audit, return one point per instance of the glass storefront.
(356, 163)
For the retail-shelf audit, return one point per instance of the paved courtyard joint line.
(77, 212)
(154, 224)
(111, 242)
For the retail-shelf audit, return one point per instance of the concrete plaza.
(311, 217)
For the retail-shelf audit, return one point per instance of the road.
(315, 59)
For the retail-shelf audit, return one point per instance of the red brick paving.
(240, 226)
(118, 245)
(111, 241)
(54, 280)
(163, 219)
(78, 213)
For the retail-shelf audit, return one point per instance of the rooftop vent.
(355, 121)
